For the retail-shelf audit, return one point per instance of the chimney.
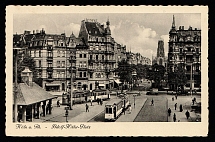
(27, 32)
(27, 76)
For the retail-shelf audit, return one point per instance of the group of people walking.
(187, 113)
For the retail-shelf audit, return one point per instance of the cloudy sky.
(140, 32)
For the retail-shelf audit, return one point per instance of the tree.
(141, 71)
(124, 71)
(156, 73)
(26, 61)
(178, 77)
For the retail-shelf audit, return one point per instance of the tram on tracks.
(115, 107)
(78, 97)
(103, 94)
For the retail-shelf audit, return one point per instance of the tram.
(79, 96)
(114, 108)
(103, 94)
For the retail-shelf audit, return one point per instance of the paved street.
(143, 111)
(153, 113)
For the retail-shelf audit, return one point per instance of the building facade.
(79, 62)
(185, 51)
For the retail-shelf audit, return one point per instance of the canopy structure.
(117, 81)
(30, 95)
(52, 84)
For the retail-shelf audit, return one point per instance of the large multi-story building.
(101, 53)
(91, 57)
(185, 51)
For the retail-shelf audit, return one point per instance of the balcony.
(109, 52)
(49, 79)
(81, 78)
(50, 58)
(49, 69)
(111, 61)
(82, 69)
(90, 70)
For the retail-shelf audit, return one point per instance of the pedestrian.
(87, 108)
(47, 109)
(152, 102)
(101, 102)
(175, 106)
(58, 103)
(98, 101)
(172, 98)
(176, 96)
(181, 108)
(174, 117)
(129, 108)
(169, 111)
(187, 114)
(193, 101)
(91, 101)
(123, 110)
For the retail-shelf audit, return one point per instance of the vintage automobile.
(153, 91)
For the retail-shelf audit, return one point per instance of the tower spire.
(173, 22)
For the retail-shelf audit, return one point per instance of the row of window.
(49, 53)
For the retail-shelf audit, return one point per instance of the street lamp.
(134, 100)
(66, 113)
(16, 84)
(191, 78)
(133, 74)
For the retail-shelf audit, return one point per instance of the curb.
(140, 109)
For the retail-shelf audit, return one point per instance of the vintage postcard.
(106, 71)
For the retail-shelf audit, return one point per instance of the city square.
(92, 76)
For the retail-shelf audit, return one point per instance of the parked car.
(183, 92)
(153, 91)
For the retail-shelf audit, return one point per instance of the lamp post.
(134, 100)
(71, 90)
(133, 74)
(66, 113)
(191, 78)
(16, 84)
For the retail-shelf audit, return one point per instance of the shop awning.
(117, 81)
(102, 85)
(52, 84)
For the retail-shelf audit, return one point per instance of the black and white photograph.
(93, 69)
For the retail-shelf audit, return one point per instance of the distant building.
(185, 51)
(137, 58)
(160, 59)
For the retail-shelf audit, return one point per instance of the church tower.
(160, 50)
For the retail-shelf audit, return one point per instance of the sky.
(140, 32)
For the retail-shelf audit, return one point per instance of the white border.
(119, 128)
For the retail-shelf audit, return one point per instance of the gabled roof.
(94, 29)
(29, 95)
